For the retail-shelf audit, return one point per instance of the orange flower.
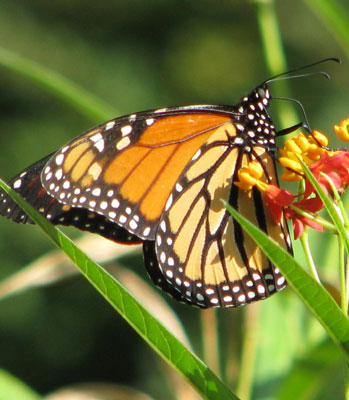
(342, 130)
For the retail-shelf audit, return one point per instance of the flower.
(277, 199)
(250, 175)
(309, 148)
(309, 206)
(342, 130)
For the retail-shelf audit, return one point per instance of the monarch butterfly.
(157, 177)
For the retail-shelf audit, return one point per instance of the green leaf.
(11, 388)
(85, 102)
(314, 296)
(152, 331)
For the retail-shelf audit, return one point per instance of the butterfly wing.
(201, 255)
(159, 177)
(28, 185)
(126, 168)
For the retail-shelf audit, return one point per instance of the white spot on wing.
(146, 231)
(103, 205)
(123, 143)
(126, 130)
(100, 145)
(59, 159)
(95, 138)
(59, 174)
(17, 184)
(149, 121)
(96, 192)
(115, 203)
(109, 125)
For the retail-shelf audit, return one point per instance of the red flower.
(299, 223)
(335, 167)
(276, 199)
(279, 200)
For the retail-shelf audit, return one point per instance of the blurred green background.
(138, 55)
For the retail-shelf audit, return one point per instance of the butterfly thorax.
(254, 125)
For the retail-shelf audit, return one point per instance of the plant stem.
(274, 55)
(248, 354)
(344, 294)
(321, 221)
(342, 213)
(84, 101)
(210, 339)
(346, 394)
(306, 248)
(347, 284)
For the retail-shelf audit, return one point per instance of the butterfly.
(157, 178)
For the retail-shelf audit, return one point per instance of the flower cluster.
(330, 168)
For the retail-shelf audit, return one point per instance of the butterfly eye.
(261, 92)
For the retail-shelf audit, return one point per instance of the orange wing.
(127, 168)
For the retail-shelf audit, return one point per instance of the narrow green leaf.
(85, 102)
(314, 296)
(152, 331)
(11, 388)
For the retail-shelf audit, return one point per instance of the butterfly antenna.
(282, 75)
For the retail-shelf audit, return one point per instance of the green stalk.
(89, 105)
(347, 381)
(249, 351)
(319, 220)
(275, 57)
(306, 248)
(347, 285)
(210, 340)
(338, 199)
(344, 294)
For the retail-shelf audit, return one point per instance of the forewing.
(126, 168)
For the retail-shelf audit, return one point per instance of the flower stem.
(347, 381)
(342, 213)
(347, 284)
(319, 220)
(274, 55)
(306, 248)
(344, 293)
(210, 339)
(248, 354)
